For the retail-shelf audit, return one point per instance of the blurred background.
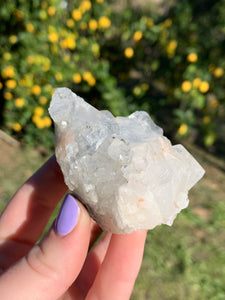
(164, 57)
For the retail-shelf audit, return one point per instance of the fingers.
(50, 267)
(90, 269)
(118, 272)
(30, 208)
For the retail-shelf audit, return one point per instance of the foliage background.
(167, 60)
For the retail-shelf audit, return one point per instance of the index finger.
(29, 210)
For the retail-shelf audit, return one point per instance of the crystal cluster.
(123, 169)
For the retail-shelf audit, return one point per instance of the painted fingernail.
(68, 216)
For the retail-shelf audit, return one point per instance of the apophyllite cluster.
(128, 175)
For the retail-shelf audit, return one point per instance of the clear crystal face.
(123, 169)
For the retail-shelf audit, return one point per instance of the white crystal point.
(123, 169)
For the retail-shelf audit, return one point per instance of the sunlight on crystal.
(124, 170)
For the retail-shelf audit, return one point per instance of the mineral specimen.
(123, 169)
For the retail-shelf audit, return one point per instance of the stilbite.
(123, 169)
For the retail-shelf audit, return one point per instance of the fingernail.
(68, 216)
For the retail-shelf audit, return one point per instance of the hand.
(60, 266)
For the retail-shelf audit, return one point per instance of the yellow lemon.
(38, 111)
(186, 86)
(138, 36)
(91, 81)
(19, 102)
(13, 39)
(11, 83)
(76, 14)
(36, 90)
(192, 57)
(204, 87)
(218, 72)
(70, 23)
(8, 95)
(58, 76)
(129, 52)
(104, 22)
(8, 72)
(93, 24)
(47, 121)
(183, 129)
(17, 127)
(196, 82)
(53, 37)
(43, 100)
(77, 78)
(51, 11)
(29, 27)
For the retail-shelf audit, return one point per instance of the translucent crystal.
(123, 169)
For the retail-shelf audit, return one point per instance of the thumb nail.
(68, 216)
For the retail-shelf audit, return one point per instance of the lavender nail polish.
(68, 215)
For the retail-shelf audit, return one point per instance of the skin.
(62, 267)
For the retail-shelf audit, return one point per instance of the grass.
(185, 261)
(16, 166)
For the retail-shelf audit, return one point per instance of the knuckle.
(37, 261)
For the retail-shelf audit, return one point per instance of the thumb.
(50, 267)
